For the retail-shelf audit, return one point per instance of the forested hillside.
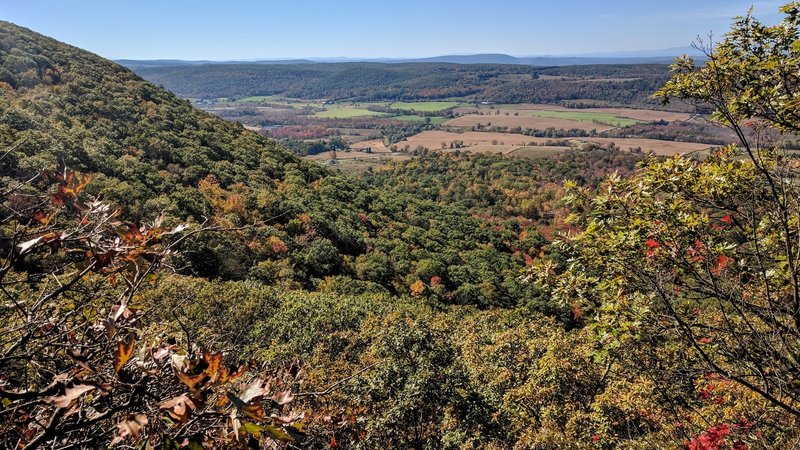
(623, 84)
(171, 280)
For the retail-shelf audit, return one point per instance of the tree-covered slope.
(63, 104)
(502, 83)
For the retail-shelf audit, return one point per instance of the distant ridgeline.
(628, 84)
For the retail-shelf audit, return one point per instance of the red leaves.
(577, 312)
(41, 217)
(720, 264)
(102, 260)
(697, 251)
(712, 439)
(528, 260)
(705, 393)
(435, 281)
(651, 245)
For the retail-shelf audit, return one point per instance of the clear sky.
(250, 29)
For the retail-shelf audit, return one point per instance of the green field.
(253, 99)
(424, 106)
(414, 118)
(345, 112)
(593, 117)
(276, 100)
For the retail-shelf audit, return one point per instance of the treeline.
(500, 187)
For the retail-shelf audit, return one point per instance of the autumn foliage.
(81, 362)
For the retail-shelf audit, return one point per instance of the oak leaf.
(123, 353)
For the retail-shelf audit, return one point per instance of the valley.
(355, 136)
(458, 252)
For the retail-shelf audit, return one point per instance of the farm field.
(357, 162)
(345, 112)
(589, 116)
(523, 120)
(433, 140)
(414, 118)
(657, 146)
(331, 120)
(424, 106)
(275, 100)
(377, 146)
(647, 115)
(506, 142)
(542, 117)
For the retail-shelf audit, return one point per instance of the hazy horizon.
(642, 53)
(313, 29)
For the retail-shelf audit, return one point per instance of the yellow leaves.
(417, 288)
(270, 430)
(193, 382)
(123, 353)
(70, 184)
(213, 361)
(199, 373)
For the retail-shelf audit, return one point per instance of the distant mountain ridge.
(665, 56)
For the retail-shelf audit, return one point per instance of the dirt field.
(356, 155)
(656, 146)
(506, 142)
(433, 140)
(377, 146)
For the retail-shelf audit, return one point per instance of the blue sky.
(219, 30)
